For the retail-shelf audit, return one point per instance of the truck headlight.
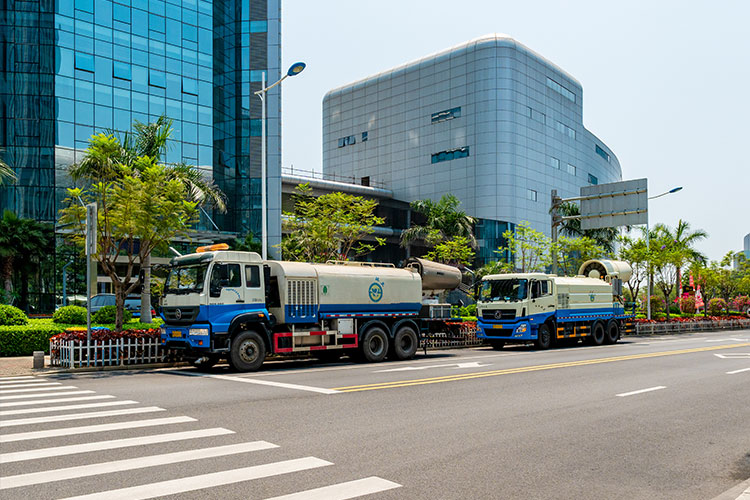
(521, 328)
(198, 331)
(163, 330)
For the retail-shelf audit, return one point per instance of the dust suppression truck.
(230, 304)
(548, 309)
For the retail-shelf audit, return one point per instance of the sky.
(666, 84)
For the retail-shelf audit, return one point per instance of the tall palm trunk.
(146, 292)
(8, 277)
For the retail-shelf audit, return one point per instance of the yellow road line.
(524, 369)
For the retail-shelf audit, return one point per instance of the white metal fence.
(120, 352)
(692, 326)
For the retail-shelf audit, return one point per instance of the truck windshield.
(186, 279)
(509, 290)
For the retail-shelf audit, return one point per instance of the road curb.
(739, 492)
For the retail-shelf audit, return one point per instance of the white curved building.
(490, 121)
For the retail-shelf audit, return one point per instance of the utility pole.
(91, 222)
(556, 220)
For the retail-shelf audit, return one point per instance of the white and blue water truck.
(547, 309)
(233, 305)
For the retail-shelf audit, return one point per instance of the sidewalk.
(22, 365)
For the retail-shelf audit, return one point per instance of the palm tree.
(443, 221)
(7, 174)
(152, 140)
(684, 240)
(604, 237)
(22, 241)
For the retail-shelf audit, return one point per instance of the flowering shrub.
(740, 303)
(674, 319)
(105, 334)
(658, 305)
(717, 306)
(687, 305)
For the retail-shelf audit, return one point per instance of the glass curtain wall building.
(73, 68)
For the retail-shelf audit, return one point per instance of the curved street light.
(648, 246)
(294, 70)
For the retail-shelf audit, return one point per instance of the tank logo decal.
(376, 291)
(592, 297)
(325, 290)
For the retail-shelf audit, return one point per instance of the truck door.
(225, 286)
(542, 298)
(254, 289)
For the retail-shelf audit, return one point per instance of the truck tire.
(497, 344)
(613, 332)
(543, 337)
(597, 333)
(248, 352)
(374, 345)
(405, 343)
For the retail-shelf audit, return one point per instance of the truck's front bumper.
(505, 330)
(196, 336)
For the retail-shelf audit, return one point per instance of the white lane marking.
(25, 411)
(89, 429)
(342, 491)
(56, 400)
(283, 385)
(113, 444)
(473, 364)
(44, 395)
(191, 483)
(31, 380)
(25, 385)
(78, 416)
(49, 476)
(632, 393)
(24, 377)
(39, 389)
(719, 340)
(734, 355)
(738, 371)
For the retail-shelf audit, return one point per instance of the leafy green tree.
(22, 243)
(529, 250)
(443, 221)
(705, 277)
(573, 252)
(681, 242)
(328, 227)
(140, 208)
(249, 243)
(635, 252)
(454, 252)
(7, 174)
(603, 237)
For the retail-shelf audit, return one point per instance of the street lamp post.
(648, 247)
(294, 69)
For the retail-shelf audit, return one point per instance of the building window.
(531, 194)
(537, 116)
(85, 62)
(121, 13)
(554, 162)
(593, 179)
(571, 169)
(602, 153)
(189, 86)
(85, 5)
(561, 90)
(364, 136)
(256, 75)
(448, 114)
(349, 140)
(258, 26)
(157, 79)
(121, 70)
(564, 129)
(256, 128)
(451, 154)
(365, 181)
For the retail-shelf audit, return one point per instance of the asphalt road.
(647, 418)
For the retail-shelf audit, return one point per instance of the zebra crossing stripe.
(45, 395)
(90, 429)
(192, 483)
(342, 491)
(36, 388)
(49, 476)
(24, 377)
(25, 411)
(34, 381)
(53, 401)
(113, 444)
(25, 386)
(78, 416)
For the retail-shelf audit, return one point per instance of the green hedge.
(70, 315)
(23, 340)
(10, 315)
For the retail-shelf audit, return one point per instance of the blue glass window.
(103, 95)
(140, 102)
(103, 70)
(554, 162)
(256, 128)
(451, 154)
(140, 22)
(103, 117)
(84, 115)
(85, 5)
(65, 109)
(64, 86)
(531, 195)
(84, 44)
(601, 152)
(571, 169)
(103, 15)
(189, 86)
(174, 109)
(256, 75)
(189, 17)
(448, 114)
(190, 151)
(122, 98)
(205, 115)
(121, 13)
(103, 49)
(189, 112)
(593, 179)
(189, 132)
(258, 26)
(190, 33)
(65, 134)
(561, 90)
(156, 23)
(156, 105)
(65, 61)
(205, 41)
(122, 120)
(84, 91)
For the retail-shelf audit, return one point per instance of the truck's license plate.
(176, 334)
(499, 327)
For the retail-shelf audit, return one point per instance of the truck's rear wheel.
(597, 334)
(405, 343)
(497, 344)
(543, 337)
(613, 332)
(374, 344)
(248, 352)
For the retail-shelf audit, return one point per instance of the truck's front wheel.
(544, 337)
(248, 352)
